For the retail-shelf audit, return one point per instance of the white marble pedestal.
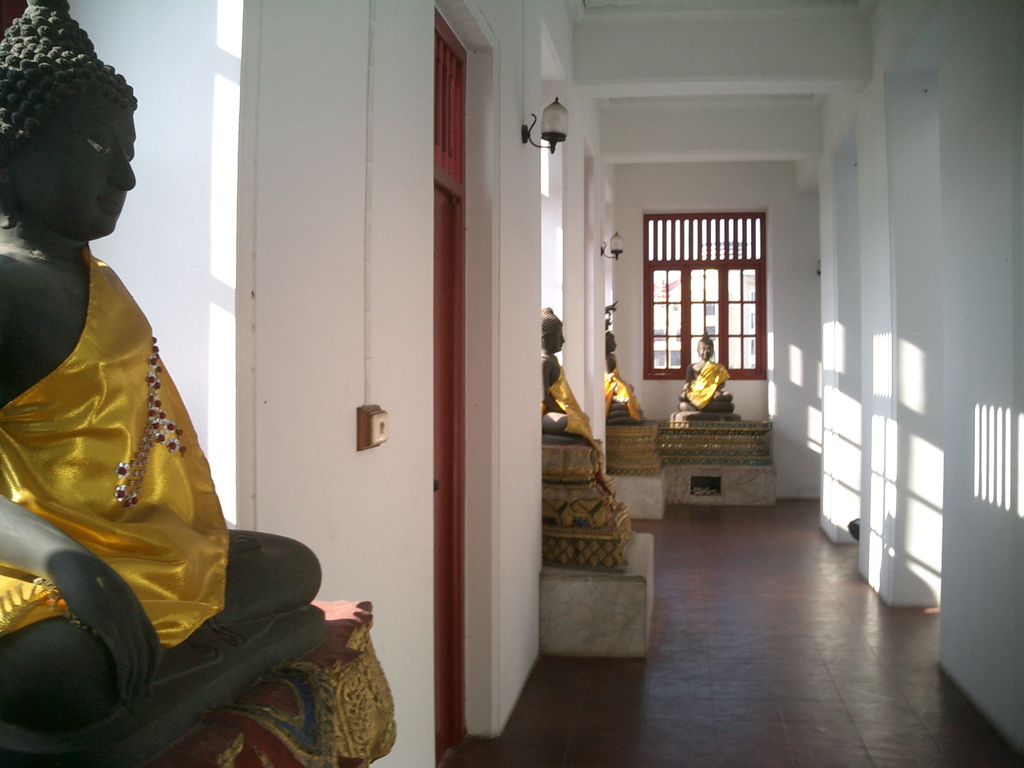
(591, 612)
(643, 494)
(717, 484)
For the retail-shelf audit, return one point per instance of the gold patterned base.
(576, 507)
(633, 450)
(331, 709)
(588, 547)
(716, 442)
(570, 464)
(364, 723)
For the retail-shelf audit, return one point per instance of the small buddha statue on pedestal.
(563, 421)
(703, 392)
(622, 409)
(127, 607)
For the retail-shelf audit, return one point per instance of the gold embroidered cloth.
(615, 389)
(578, 423)
(103, 449)
(703, 388)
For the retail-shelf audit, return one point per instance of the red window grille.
(449, 106)
(705, 273)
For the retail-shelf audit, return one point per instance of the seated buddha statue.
(562, 419)
(621, 407)
(705, 380)
(127, 607)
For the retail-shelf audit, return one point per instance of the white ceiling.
(673, 76)
(612, 6)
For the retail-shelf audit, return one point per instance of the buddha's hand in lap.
(101, 600)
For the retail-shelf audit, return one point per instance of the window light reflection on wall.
(992, 455)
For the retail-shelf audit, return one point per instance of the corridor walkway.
(768, 650)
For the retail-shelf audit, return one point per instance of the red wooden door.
(10, 10)
(449, 397)
(448, 491)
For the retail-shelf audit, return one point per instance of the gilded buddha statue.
(563, 421)
(704, 390)
(127, 607)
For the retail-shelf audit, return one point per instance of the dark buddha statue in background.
(620, 404)
(704, 390)
(127, 608)
(563, 421)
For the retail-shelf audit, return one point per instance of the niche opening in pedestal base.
(705, 485)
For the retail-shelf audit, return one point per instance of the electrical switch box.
(371, 426)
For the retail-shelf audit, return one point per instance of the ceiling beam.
(701, 54)
(745, 130)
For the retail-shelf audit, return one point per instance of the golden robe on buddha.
(616, 390)
(103, 449)
(703, 388)
(578, 423)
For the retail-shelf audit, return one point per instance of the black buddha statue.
(127, 608)
(704, 390)
(562, 419)
(621, 406)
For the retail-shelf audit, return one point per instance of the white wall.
(916, 528)
(939, 169)
(842, 440)
(174, 245)
(335, 272)
(341, 272)
(793, 297)
(981, 102)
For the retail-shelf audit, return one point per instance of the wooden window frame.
(691, 241)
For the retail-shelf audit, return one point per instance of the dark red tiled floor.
(768, 649)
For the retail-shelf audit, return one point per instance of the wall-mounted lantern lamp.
(615, 247)
(554, 123)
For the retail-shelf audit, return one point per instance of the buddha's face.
(552, 341)
(72, 177)
(705, 351)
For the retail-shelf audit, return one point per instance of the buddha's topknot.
(549, 321)
(45, 58)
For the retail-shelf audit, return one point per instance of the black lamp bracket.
(527, 130)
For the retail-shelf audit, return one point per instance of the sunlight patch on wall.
(992, 455)
(1020, 462)
(842, 415)
(833, 350)
(924, 534)
(221, 440)
(229, 26)
(882, 500)
(925, 471)
(828, 345)
(874, 560)
(224, 181)
(545, 174)
(796, 365)
(881, 364)
(814, 432)
(841, 460)
(912, 376)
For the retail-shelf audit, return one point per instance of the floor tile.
(767, 650)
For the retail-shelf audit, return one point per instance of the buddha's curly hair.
(549, 321)
(45, 58)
